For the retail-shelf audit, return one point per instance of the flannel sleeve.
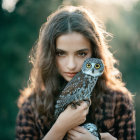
(125, 128)
(25, 124)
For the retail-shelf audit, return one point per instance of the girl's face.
(71, 51)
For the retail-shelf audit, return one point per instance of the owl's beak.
(92, 70)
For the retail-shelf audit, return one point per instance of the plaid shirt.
(116, 115)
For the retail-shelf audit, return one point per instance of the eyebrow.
(82, 50)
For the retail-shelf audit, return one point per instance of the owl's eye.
(88, 65)
(97, 66)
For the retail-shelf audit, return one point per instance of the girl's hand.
(80, 133)
(72, 117)
(107, 136)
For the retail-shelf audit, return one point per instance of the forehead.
(72, 41)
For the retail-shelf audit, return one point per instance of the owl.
(80, 89)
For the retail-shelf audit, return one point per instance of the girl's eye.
(60, 53)
(82, 54)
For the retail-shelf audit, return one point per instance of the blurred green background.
(19, 28)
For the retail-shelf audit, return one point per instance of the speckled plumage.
(81, 86)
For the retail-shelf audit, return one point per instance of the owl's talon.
(74, 106)
(78, 103)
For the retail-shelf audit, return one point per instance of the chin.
(67, 79)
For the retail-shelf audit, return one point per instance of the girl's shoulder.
(26, 125)
(118, 99)
(26, 98)
(26, 108)
(119, 95)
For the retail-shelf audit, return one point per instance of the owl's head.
(93, 67)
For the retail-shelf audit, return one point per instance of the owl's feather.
(76, 90)
(80, 87)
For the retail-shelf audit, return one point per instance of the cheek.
(80, 63)
(60, 63)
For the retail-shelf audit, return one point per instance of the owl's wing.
(66, 96)
(76, 82)
(79, 88)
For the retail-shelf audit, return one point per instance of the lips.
(70, 74)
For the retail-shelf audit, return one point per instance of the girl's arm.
(67, 120)
(26, 127)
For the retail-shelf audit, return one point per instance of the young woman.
(69, 36)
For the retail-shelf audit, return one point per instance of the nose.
(71, 63)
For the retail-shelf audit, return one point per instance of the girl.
(69, 36)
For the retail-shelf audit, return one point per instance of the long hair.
(45, 81)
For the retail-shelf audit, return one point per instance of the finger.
(80, 129)
(104, 135)
(84, 105)
(69, 136)
(107, 136)
(71, 132)
(88, 102)
(87, 110)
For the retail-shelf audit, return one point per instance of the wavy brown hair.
(45, 81)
